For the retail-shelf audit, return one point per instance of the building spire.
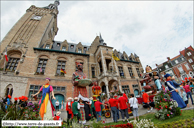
(56, 3)
(101, 40)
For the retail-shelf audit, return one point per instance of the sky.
(154, 30)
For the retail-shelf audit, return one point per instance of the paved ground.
(141, 111)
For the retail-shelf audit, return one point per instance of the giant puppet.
(80, 82)
(46, 107)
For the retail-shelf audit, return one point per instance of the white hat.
(91, 98)
(76, 98)
(69, 98)
(58, 113)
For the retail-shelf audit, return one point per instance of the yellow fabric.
(46, 99)
(115, 57)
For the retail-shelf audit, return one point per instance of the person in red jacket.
(69, 108)
(123, 107)
(117, 102)
(113, 107)
(97, 105)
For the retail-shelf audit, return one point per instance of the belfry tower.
(37, 26)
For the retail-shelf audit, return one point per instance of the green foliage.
(167, 108)
(16, 112)
(97, 124)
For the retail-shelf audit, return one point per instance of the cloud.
(154, 30)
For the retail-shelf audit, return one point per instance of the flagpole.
(5, 58)
(4, 65)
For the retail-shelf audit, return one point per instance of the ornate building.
(33, 55)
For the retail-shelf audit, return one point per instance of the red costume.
(69, 110)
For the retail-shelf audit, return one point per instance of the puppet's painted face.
(80, 67)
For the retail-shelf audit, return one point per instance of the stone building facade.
(34, 55)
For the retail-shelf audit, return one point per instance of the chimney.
(168, 58)
(156, 65)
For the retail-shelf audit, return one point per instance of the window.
(121, 71)
(187, 66)
(41, 66)
(85, 48)
(135, 86)
(79, 50)
(166, 66)
(76, 66)
(63, 48)
(180, 69)
(72, 46)
(176, 61)
(61, 67)
(34, 89)
(138, 72)
(47, 46)
(126, 89)
(188, 53)
(190, 60)
(58, 44)
(12, 64)
(182, 58)
(130, 71)
(93, 72)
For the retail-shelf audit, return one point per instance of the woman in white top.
(134, 103)
(62, 104)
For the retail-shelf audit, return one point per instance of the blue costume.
(175, 95)
(8, 103)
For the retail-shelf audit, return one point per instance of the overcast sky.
(152, 30)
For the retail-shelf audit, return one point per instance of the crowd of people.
(118, 104)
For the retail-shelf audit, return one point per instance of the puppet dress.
(46, 106)
(175, 95)
(82, 112)
(80, 90)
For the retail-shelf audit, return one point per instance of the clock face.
(37, 17)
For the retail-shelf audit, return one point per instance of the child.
(183, 96)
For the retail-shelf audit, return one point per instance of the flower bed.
(143, 123)
(167, 108)
(128, 125)
(19, 110)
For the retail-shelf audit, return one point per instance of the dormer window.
(72, 46)
(79, 50)
(58, 44)
(85, 48)
(188, 53)
(47, 46)
(176, 61)
(166, 66)
(63, 48)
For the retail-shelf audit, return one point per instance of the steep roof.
(183, 51)
(175, 57)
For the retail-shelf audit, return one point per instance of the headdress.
(48, 79)
(167, 75)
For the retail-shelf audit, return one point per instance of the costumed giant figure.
(174, 91)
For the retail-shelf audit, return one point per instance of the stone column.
(103, 63)
(120, 86)
(134, 71)
(116, 67)
(107, 90)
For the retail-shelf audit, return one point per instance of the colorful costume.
(46, 107)
(175, 95)
(79, 90)
(82, 112)
(69, 110)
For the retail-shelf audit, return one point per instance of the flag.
(41, 69)
(6, 54)
(115, 57)
(63, 71)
